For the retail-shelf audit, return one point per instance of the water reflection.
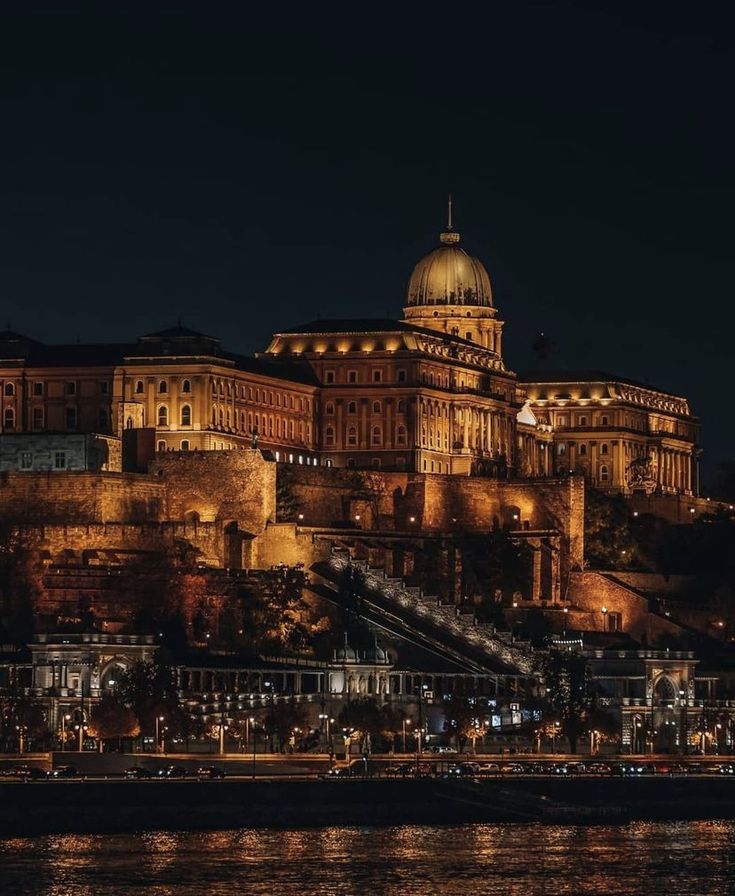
(669, 859)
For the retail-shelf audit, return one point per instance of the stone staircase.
(426, 611)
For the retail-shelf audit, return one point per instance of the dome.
(449, 276)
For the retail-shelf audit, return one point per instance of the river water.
(638, 859)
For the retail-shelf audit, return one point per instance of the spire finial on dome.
(450, 236)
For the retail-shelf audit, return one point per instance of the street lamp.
(159, 719)
(255, 735)
(81, 728)
(405, 723)
(222, 729)
(65, 717)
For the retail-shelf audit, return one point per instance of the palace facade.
(429, 393)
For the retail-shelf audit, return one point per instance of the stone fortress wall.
(225, 504)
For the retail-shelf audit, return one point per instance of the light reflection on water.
(655, 859)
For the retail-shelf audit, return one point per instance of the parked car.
(488, 768)
(512, 768)
(63, 771)
(576, 768)
(210, 771)
(725, 768)
(137, 773)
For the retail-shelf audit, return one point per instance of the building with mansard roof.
(427, 393)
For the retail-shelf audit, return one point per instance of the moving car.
(172, 771)
(210, 771)
(63, 771)
(30, 773)
(137, 774)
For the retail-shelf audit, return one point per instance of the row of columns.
(675, 470)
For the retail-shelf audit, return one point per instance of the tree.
(111, 718)
(282, 720)
(21, 582)
(149, 690)
(462, 719)
(567, 682)
(609, 542)
(369, 722)
(276, 614)
(22, 715)
(287, 505)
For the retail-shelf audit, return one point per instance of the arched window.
(9, 389)
(221, 417)
(376, 407)
(583, 449)
(376, 437)
(185, 445)
(352, 436)
(186, 386)
(329, 408)
(162, 387)
(186, 415)
(161, 445)
(604, 448)
(329, 436)
(401, 407)
(401, 435)
(163, 415)
(139, 387)
(604, 473)
(352, 407)
(468, 336)
(9, 418)
(129, 423)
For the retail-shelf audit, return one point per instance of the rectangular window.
(377, 376)
(71, 418)
(26, 460)
(352, 376)
(60, 460)
(104, 387)
(401, 376)
(38, 388)
(71, 388)
(329, 376)
(38, 418)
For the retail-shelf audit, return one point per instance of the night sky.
(246, 174)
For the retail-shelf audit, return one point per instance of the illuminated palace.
(429, 393)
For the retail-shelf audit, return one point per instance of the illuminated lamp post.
(406, 722)
(81, 728)
(65, 717)
(159, 719)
